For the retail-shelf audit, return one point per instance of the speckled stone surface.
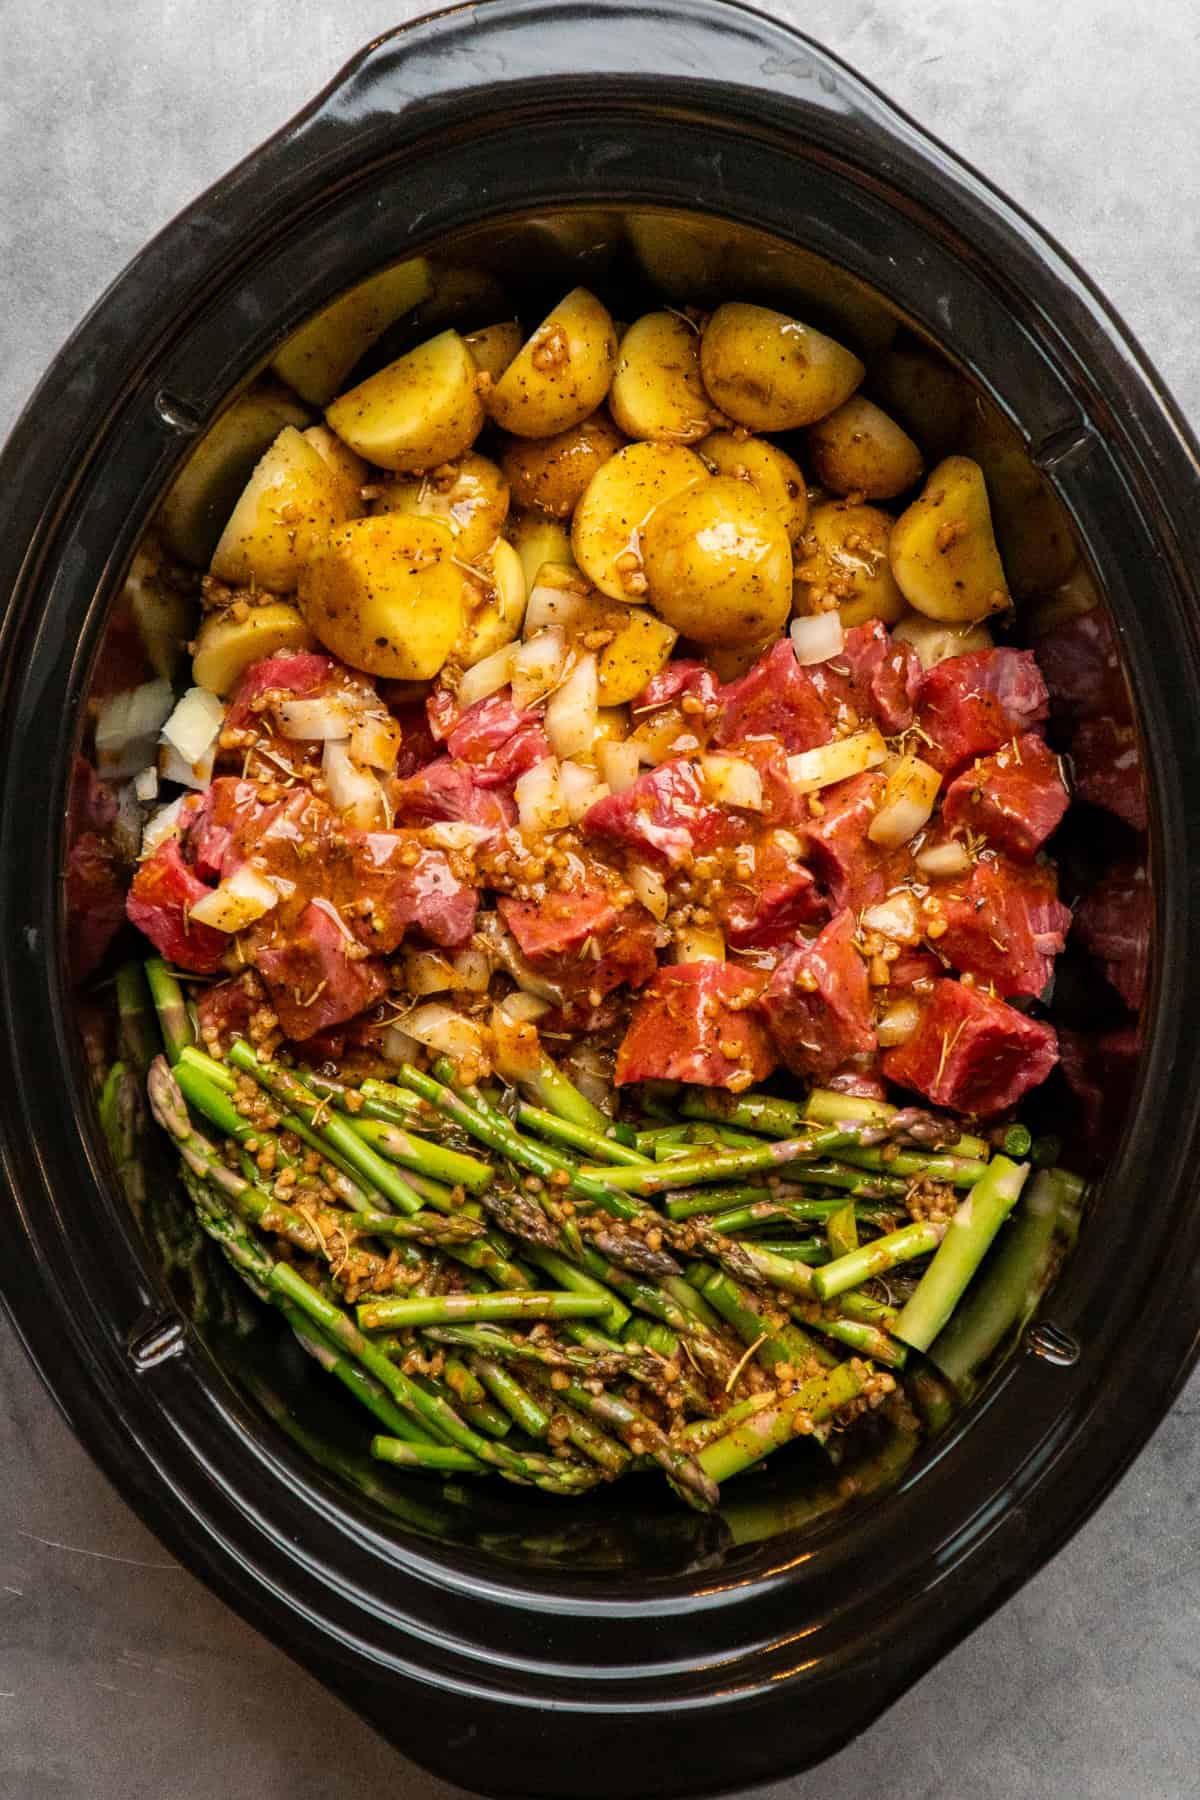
(121, 1678)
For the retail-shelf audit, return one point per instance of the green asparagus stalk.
(426, 1158)
(438, 1459)
(642, 1437)
(517, 1402)
(876, 1258)
(503, 1346)
(784, 1118)
(584, 1434)
(171, 1007)
(772, 1343)
(956, 1171)
(721, 1165)
(363, 1386)
(135, 1013)
(757, 1435)
(841, 1228)
(857, 1335)
(396, 1312)
(962, 1250)
(578, 1281)
(697, 1435)
(577, 1137)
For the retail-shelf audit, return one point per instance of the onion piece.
(813, 769)
(439, 1027)
(487, 676)
(943, 860)
(353, 792)
(525, 1009)
(619, 764)
(193, 727)
(571, 712)
(908, 802)
(732, 781)
(558, 597)
(581, 788)
(817, 637)
(398, 1047)
(161, 825)
(455, 834)
(197, 775)
(427, 972)
(145, 784)
(539, 798)
(375, 743)
(898, 1022)
(650, 889)
(472, 969)
(314, 721)
(241, 898)
(127, 728)
(698, 943)
(503, 947)
(537, 667)
(897, 916)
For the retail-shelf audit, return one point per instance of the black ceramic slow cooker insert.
(515, 1645)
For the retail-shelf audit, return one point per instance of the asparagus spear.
(171, 1007)
(876, 1258)
(438, 1459)
(756, 1435)
(577, 1137)
(135, 1012)
(397, 1311)
(413, 1152)
(962, 1250)
(722, 1165)
(642, 1437)
(363, 1386)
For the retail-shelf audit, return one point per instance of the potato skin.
(198, 502)
(657, 392)
(539, 540)
(641, 646)
(718, 563)
(771, 373)
(495, 605)
(561, 374)
(470, 495)
(493, 348)
(421, 410)
(619, 499)
(317, 359)
(550, 474)
(226, 646)
(842, 558)
(943, 550)
(934, 641)
(291, 500)
(858, 449)
(776, 479)
(385, 595)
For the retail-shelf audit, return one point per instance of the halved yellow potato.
(657, 393)
(422, 410)
(842, 560)
(350, 470)
(470, 495)
(290, 502)
(943, 550)
(562, 373)
(858, 449)
(728, 661)
(770, 372)
(619, 499)
(494, 347)
(495, 603)
(537, 541)
(641, 645)
(935, 641)
(718, 563)
(203, 494)
(317, 359)
(550, 474)
(776, 479)
(226, 646)
(386, 595)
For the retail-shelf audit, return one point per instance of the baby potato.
(317, 359)
(859, 450)
(350, 471)
(290, 502)
(562, 373)
(934, 642)
(619, 499)
(422, 410)
(203, 494)
(469, 495)
(641, 646)
(226, 646)
(494, 347)
(656, 391)
(386, 595)
(550, 474)
(718, 563)
(729, 661)
(776, 479)
(495, 601)
(943, 550)
(843, 558)
(770, 372)
(538, 541)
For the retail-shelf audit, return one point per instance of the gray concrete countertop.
(120, 1676)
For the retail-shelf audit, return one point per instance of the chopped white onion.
(398, 1046)
(353, 792)
(427, 972)
(619, 764)
(455, 834)
(557, 598)
(375, 743)
(908, 802)
(127, 728)
(698, 943)
(197, 775)
(314, 721)
(813, 769)
(898, 1022)
(650, 889)
(897, 916)
(193, 727)
(441, 1028)
(472, 969)
(943, 860)
(525, 1009)
(817, 637)
(581, 788)
(571, 713)
(161, 825)
(732, 781)
(241, 898)
(487, 676)
(539, 797)
(145, 784)
(537, 667)
(935, 642)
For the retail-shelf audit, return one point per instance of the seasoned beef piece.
(843, 858)
(299, 673)
(1108, 769)
(972, 1053)
(1015, 797)
(665, 816)
(418, 745)
(818, 1004)
(769, 906)
(885, 674)
(1083, 674)
(582, 942)
(498, 741)
(1004, 924)
(408, 886)
(446, 791)
(95, 901)
(163, 890)
(1113, 922)
(673, 682)
(315, 977)
(776, 699)
(228, 1006)
(970, 705)
(697, 1022)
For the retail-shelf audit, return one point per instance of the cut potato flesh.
(772, 373)
(495, 601)
(386, 596)
(619, 499)
(422, 410)
(292, 500)
(718, 563)
(657, 392)
(200, 499)
(562, 373)
(317, 359)
(350, 470)
(935, 642)
(943, 551)
(225, 646)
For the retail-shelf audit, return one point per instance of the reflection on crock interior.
(691, 819)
